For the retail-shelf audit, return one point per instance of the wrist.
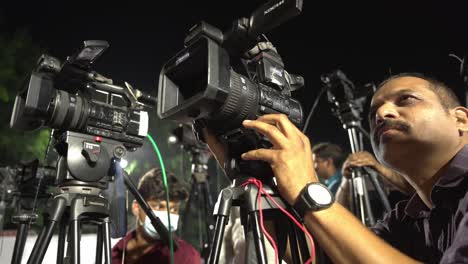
(313, 197)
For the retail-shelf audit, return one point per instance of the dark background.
(368, 41)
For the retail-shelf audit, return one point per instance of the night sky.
(367, 41)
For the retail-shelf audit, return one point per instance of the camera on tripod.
(70, 96)
(95, 122)
(346, 98)
(83, 107)
(23, 181)
(222, 78)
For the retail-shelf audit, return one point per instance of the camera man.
(419, 129)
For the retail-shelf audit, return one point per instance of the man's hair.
(446, 96)
(151, 186)
(326, 150)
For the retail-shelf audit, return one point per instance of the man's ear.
(135, 208)
(461, 116)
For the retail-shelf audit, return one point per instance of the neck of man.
(424, 172)
(331, 172)
(141, 241)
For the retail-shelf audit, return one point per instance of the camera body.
(345, 98)
(226, 78)
(70, 96)
(222, 78)
(94, 121)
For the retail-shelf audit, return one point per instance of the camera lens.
(68, 111)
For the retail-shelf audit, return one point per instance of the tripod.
(246, 198)
(346, 101)
(83, 159)
(200, 193)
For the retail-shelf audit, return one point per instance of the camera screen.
(186, 76)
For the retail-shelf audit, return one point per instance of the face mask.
(162, 215)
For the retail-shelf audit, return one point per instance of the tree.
(18, 56)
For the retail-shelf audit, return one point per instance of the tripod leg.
(99, 242)
(75, 241)
(61, 241)
(198, 197)
(292, 243)
(221, 222)
(221, 213)
(107, 241)
(42, 242)
(302, 243)
(208, 208)
(257, 237)
(19, 243)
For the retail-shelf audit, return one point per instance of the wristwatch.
(314, 197)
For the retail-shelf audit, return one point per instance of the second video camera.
(228, 77)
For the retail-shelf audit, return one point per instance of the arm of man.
(341, 235)
(366, 159)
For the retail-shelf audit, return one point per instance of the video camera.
(22, 181)
(70, 96)
(345, 98)
(220, 79)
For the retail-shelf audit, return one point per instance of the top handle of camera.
(242, 36)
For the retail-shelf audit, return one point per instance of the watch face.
(319, 194)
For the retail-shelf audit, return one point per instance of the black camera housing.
(70, 96)
(220, 79)
(212, 78)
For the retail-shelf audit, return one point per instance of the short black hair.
(447, 97)
(326, 150)
(151, 186)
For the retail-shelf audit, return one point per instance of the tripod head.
(345, 98)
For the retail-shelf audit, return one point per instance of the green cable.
(171, 246)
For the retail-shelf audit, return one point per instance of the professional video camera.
(95, 122)
(220, 79)
(25, 181)
(346, 99)
(70, 96)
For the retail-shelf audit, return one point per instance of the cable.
(313, 109)
(46, 153)
(259, 200)
(258, 183)
(161, 162)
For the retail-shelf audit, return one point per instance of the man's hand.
(365, 159)
(290, 157)
(359, 159)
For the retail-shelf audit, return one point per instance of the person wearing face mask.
(143, 244)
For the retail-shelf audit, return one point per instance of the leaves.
(18, 56)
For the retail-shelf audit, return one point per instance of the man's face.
(406, 117)
(322, 167)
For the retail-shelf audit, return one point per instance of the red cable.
(298, 224)
(258, 183)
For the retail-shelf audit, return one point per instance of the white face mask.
(162, 215)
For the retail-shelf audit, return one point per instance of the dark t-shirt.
(437, 235)
(158, 253)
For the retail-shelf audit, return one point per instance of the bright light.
(123, 163)
(172, 139)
